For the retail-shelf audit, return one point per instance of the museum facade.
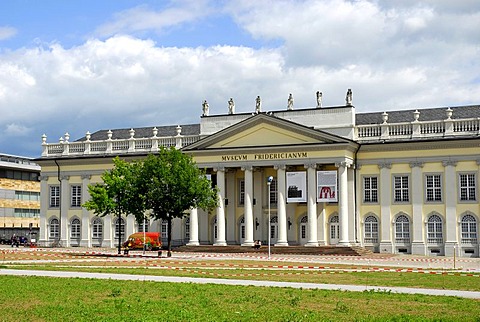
(398, 182)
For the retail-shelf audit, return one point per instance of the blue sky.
(76, 66)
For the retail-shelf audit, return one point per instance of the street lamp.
(269, 182)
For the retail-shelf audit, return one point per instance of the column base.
(386, 248)
(220, 243)
(281, 244)
(193, 243)
(249, 244)
(85, 243)
(451, 248)
(311, 244)
(419, 248)
(344, 243)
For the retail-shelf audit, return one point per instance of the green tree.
(118, 194)
(171, 184)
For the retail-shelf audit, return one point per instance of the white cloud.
(7, 32)
(143, 18)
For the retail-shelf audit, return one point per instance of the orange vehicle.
(151, 240)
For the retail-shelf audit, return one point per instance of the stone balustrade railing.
(418, 129)
(115, 146)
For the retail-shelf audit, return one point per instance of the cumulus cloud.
(409, 56)
(7, 32)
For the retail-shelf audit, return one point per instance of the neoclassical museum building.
(403, 181)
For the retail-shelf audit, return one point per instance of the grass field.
(56, 299)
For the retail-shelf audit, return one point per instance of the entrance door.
(334, 230)
(303, 232)
(273, 230)
(241, 232)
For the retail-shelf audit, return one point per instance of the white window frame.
(435, 229)
(75, 196)
(467, 184)
(401, 187)
(468, 227)
(122, 227)
(402, 229)
(97, 228)
(54, 196)
(433, 187)
(75, 228)
(241, 192)
(54, 229)
(370, 229)
(370, 193)
(273, 191)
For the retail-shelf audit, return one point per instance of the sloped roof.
(145, 132)
(426, 114)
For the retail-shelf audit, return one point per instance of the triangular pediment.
(264, 130)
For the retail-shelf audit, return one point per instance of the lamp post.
(269, 182)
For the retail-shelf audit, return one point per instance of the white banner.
(297, 186)
(327, 186)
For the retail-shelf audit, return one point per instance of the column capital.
(452, 163)
(387, 165)
(416, 164)
(310, 165)
(43, 177)
(279, 166)
(217, 169)
(86, 176)
(247, 167)
(64, 177)
(344, 164)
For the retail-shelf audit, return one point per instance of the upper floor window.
(76, 196)
(400, 193)
(467, 187)
(433, 187)
(370, 189)
(54, 196)
(27, 195)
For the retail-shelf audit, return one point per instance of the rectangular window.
(76, 196)
(27, 195)
(26, 213)
(400, 193)
(370, 189)
(241, 192)
(467, 187)
(433, 187)
(54, 196)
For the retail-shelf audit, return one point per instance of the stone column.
(85, 240)
(64, 206)
(221, 208)
(44, 204)
(248, 206)
(312, 204)
(281, 206)
(450, 194)
(230, 207)
(343, 202)
(193, 228)
(418, 242)
(108, 231)
(385, 198)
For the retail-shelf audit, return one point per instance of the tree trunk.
(169, 235)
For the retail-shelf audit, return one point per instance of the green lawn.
(60, 299)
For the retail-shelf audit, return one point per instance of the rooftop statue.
(258, 104)
(290, 102)
(319, 99)
(205, 108)
(231, 106)
(348, 98)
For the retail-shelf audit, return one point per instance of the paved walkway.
(175, 279)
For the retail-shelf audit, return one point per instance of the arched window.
(75, 228)
(371, 229)
(469, 229)
(435, 229)
(120, 221)
(334, 229)
(97, 228)
(140, 225)
(402, 229)
(54, 228)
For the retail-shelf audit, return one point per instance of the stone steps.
(299, 250)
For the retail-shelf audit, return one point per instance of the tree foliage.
(166, 184)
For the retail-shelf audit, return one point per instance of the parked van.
(151, 240)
